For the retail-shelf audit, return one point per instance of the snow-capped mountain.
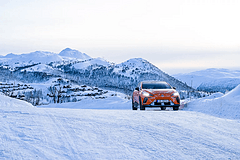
(220, 85)
(213, 79)
(139, 69)
(39, 67)
(72, 53)
(30, 58)
(41, 57)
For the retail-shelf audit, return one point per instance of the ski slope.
(29, 132)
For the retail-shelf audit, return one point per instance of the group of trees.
(32, 96)
(55, 93)
(7, 75)
(62, 91)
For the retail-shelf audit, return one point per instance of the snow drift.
(12, 103)
(234, 95)
(226, 106)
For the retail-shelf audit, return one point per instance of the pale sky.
(175, 35)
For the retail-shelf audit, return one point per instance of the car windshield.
(156, 86)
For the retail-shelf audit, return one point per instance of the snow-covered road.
(56, 133)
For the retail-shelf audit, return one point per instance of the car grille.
(163, 95)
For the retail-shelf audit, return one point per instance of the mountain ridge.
(212, 79)
(94, 71)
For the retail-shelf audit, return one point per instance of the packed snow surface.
(105, 132)
(116, 102)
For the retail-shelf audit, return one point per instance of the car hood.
(160, 91)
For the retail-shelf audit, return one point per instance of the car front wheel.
(133, 105)
(142, 107)
(163, 108)
(175, 108)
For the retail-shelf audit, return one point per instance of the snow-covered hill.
(39, 68)
(135, 66)
(212, 79)
(90, 63)
(123, 76)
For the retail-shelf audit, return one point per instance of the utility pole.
(191, 88)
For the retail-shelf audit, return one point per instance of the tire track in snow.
(65, 137)
(19, 136)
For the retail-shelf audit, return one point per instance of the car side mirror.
(137, 88)
(174, 88)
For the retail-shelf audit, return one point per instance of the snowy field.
(109, 129)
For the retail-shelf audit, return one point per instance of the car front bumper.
(161, 102)
(175, 105)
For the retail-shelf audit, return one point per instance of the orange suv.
(155, 94)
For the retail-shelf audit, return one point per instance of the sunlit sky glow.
(175, 35)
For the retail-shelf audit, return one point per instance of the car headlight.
(146, 94)
(175, 94)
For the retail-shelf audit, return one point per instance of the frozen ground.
(196, 132)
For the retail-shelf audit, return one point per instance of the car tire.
(175, 108)
(133, 105)
(142, 107)
(163, 108)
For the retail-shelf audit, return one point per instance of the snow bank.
(12, 105)
(8, 102)
(213, 96)
(226, 106)
(233, 95)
